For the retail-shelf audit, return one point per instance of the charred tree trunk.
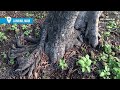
(60, 32)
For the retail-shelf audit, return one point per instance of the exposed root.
(27, 58)
(32, 40)
(21, 51)
(87, 21)
(25, 65)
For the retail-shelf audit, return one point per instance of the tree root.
(32, 40)
(25, 65)
(87, 21)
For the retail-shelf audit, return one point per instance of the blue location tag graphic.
(8, 19)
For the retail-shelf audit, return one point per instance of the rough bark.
(60, 32)
(87, 21)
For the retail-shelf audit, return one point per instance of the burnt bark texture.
(61, 31)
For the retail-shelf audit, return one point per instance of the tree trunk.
(61, 31)
(61, 34)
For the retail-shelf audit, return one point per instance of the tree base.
(60, 32)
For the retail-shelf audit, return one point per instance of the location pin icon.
(8, 19)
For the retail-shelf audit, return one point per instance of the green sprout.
(107, 48)
(24, 27)
(26, 33)
(111, 25)
(63, 65)
(85, 63)
(2, 36)
(105, 73)
(13, 27)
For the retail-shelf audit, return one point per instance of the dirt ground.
(74, 71)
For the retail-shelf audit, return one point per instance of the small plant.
(111, 25)
(114, 64)
(29, 14)
(116, 48)
(3, 54)
(26, 33)
(41, 16)
(13, 27)
(12, 61)
(83, 49)
(2, 36)
(105, 73)
(24, 27)
(116, 71)
(103, 56)
(106, 34)
(85, 63)
(63, 65)
(107, 48)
